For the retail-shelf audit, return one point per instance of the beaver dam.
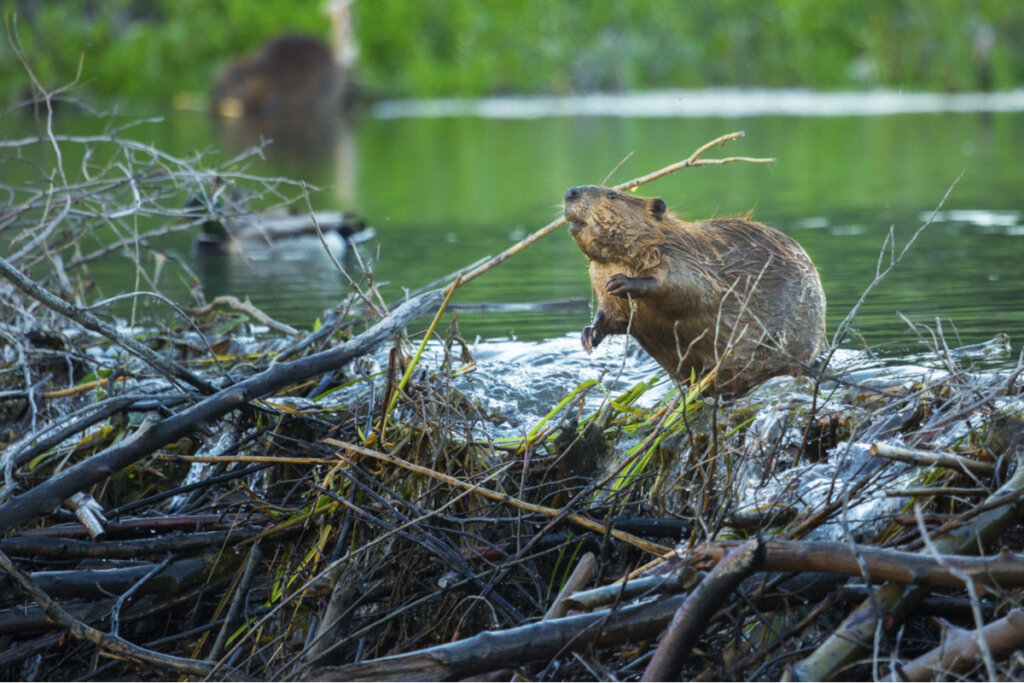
(222, 496)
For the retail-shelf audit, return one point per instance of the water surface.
(447, 189)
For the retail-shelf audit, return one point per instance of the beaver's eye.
(612, 195)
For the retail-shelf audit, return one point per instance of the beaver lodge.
(222, 496)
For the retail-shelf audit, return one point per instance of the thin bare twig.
(693, 160)
(106, 641)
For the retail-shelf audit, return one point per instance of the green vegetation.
(479, 47)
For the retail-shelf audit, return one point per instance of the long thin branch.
(693, 160)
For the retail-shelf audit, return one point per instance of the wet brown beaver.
(291, 76)
(694, 294)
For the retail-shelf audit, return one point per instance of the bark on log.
(693, 615)
(1004, 570)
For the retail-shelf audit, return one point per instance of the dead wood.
(241, 590)
(692, 617)
(90, 322)
(106, 641)
(99, 583)
(513, 647)
(129, 549)
(1005, 570)
(917, 456)
(894, 601)
(674, 580)
(580, 576)
(960, 651)
(153, 435)
(144, 526)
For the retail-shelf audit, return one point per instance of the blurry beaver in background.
(292, 76)
(725, 290)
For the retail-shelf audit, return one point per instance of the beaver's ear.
(657, 207)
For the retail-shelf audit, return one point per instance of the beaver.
(726, 291)
(292, 76)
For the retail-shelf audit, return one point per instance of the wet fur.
(694, 293)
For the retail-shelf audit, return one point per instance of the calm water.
(445, 191)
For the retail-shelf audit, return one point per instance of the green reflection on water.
(444, 192)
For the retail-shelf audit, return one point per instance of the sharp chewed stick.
(693, 160)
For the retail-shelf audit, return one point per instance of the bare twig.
(915, 456)
(108, 642)
(693, 160)
(91, 322)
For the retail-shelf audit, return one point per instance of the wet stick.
(693, 160)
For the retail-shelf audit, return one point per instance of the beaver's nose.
(573, 193)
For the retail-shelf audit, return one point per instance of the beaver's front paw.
(623, 286)
(591, 337)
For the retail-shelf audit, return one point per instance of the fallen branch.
(1004, 570)
(249, 309)
(128, 549)
(98, 583)
(692, 617)
(961, 650)
(579, 578)
(113, 644)
(490, 650)
(894, 601)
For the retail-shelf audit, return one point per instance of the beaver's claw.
(591, 337)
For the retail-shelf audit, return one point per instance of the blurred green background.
(154, 49)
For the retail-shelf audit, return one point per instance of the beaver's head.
(610, 225)
(241, 89)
